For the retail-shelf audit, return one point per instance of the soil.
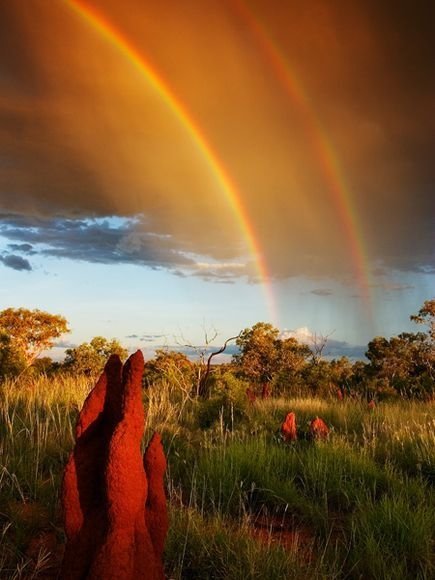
(281, 529)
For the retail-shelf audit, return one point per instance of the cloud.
(333, 348)
(321, 292)
(16, 262)
(64, 344)
(146, 337)
(389, 286)
(107, 240)
(24, 248)
(82, 138)
(302, 334)
(193, 352)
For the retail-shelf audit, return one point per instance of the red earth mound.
(288, 428)
(113, 499)
(319, 429)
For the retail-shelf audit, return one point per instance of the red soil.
(280, 530)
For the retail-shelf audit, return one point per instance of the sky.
(176, 168)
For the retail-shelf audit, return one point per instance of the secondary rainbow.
(321, 145)
(98, 22)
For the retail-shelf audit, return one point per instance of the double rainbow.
(115, 37)
(322, 147)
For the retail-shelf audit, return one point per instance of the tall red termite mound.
(319, 429)
(288, 428)
(113, 499)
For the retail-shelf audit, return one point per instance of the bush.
(228, 402)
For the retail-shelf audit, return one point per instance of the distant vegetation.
(243, 503)
(403, 365)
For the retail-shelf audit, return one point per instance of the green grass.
(200, 548)
(364, 497)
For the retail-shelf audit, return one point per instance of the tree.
(11, 361)
(258, 358)
(167, 363)
(31, 331)
(44, 365)
(426, 315)
(202, 391)
(265, 358)
(292, 357)
(402, 362)
(89, 358)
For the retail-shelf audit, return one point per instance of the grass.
(362, 500)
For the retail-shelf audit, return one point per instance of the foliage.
(426, 315)
(264, 357)
(89, 358)
(31, 331)
(359, 505)
(215, 547)
(258, 356)
(172, 366)
(12, 361)
(227, 402)
(44, 365)
(402, 362)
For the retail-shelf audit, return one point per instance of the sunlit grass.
(364, 496)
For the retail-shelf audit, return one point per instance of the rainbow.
(115, 37)
(322, 147)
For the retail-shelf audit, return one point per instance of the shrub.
(228, 402)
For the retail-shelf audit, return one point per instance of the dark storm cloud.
(98, 241)
(24, 248)
(73, 144)
(16, 262)
(110, 240)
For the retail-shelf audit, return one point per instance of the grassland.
(243, 504)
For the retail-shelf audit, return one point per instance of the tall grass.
(363, 498)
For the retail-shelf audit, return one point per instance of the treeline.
(267, 364)
(25, 334)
